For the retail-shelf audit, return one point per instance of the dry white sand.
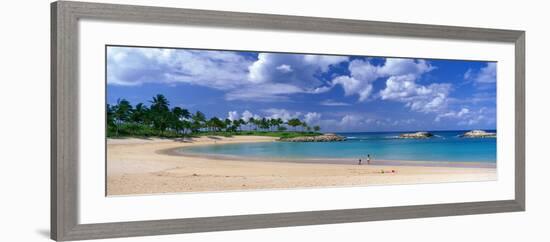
(145, 166)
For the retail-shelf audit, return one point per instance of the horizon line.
(419, 130)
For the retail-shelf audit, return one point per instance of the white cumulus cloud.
(431, 98)
(283, 114)
(354, 86)
(350, 120)
(453, 114)
(363, 74)
(312, 118)
(233, 115)
(488, 74)
(284, 68)
(468, 117)
(216, 69)
(399, 67)
(292, 69)
(246, 115)
(270, 77)
(484, 77)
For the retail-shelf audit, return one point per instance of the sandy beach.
(146, 166)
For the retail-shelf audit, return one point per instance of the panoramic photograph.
(194, 120)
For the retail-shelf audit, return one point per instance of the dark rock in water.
(417, 135)
(329, 137)
(478, 134)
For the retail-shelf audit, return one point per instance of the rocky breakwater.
(319, 138)
(478, 134)
(417, 135)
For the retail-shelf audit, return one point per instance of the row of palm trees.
(161, 120)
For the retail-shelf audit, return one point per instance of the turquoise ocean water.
(445, 146)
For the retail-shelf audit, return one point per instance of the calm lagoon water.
(446, 146)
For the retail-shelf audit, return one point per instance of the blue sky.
(339, 93)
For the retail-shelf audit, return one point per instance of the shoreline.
(149, 166)
(336, 161)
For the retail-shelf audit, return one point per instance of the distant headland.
(328, 137)
(470, 134)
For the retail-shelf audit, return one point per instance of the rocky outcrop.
(319, 138)
(417, 135)
(479, 134)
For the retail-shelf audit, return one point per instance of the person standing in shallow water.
(368, 159)
(359, 161)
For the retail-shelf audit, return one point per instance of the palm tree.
(272, 123)
(123, 119)
(216, 124)
(110, 116)
(237, 124)
(161, 112)
(122, 113)
(209, 124)
(264, 123)
(252, 121)
(304, 126)
(139, 115)
(186, 126)
(159, 102)
(199, 121)
(294, 122)
(241, 122)
(278, 122)
(178, 116)
(181, 113)
(227, 123)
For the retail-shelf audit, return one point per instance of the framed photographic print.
(170, 120)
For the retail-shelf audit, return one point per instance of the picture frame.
(65, 111)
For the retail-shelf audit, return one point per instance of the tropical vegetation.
(159, 119)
